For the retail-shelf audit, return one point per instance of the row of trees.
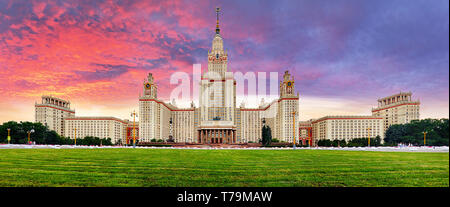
(437, 133)
(357, 142)
(42, 135)
(89, 140)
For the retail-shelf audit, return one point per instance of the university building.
(397, 109)
(56, 114)
(217, 120)
(52, 111)
(346, 127)
(101, 127)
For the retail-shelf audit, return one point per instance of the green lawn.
(167, 167)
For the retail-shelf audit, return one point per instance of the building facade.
(305, 132)
(52, 111)
(101, 127)
(397, 109)
(347, 127)
(217, 120)
(132, 132)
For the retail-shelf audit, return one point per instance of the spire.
(217, 25)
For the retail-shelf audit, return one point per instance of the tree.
(339, 143)
(324, 143)
(437, 132)
(51, 137)
(19, 135)
(376, 141)
(118, 142)
(266, 135)
(394, 134)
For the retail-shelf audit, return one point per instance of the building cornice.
(166, 105)
(96, 118)
(265, 108)
(396, 105)
(55, 107)
(344, 117)
(395, 95)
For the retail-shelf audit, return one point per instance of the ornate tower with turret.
(287, 86)
(150, 88)
(151, 124)
(287, 116)
(217, 56)
(217, 96)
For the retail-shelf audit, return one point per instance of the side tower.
(287, 116)
(152, 113)
(150, 88)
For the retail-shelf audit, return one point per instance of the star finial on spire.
(217, 26)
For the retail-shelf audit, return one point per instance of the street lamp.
(29, 132)
(9, 137)
(75, 129)
(134, 115)
(368, 133)
(293, 128)
(424, 139)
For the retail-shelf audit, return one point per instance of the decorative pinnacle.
(217, 25)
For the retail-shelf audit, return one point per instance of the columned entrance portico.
(217, 136)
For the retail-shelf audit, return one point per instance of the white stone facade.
(347, 127)
(101, 127)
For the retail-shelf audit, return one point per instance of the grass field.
(169, 167)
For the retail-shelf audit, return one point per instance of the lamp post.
(134, 115)
(29, 132)
(424, 139)
(293, 127)
(368, 133)
(75, 129)
(9, 137)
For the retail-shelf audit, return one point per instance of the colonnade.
(217, 136)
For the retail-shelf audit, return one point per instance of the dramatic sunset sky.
(344, 55)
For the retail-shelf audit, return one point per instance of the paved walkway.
(378, 149)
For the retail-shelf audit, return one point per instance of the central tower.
(217, 96)
(217, 57)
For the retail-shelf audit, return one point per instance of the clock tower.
(287, 86)
(150, 88)
(288, 109)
